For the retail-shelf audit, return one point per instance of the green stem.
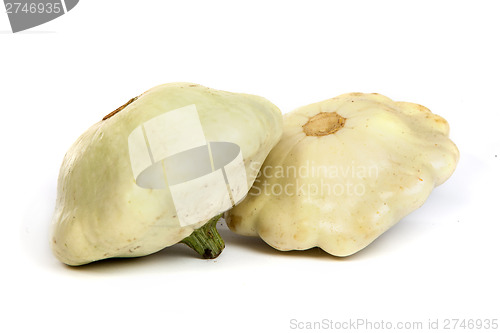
(206, 240)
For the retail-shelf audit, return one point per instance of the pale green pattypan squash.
(156, 170)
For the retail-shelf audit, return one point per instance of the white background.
(61, 77)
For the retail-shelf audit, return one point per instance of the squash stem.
(206, 240)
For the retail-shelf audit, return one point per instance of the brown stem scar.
(324, 123)
(111, 114)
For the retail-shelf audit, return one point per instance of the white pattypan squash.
(346, 170)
